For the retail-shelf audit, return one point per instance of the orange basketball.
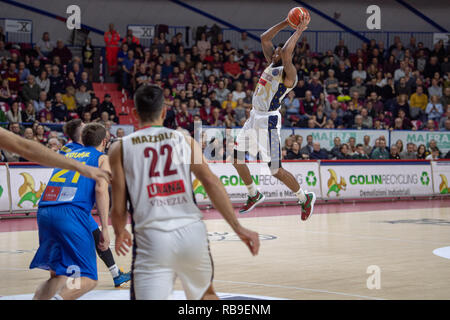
(296, 15)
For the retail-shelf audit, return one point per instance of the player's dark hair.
(149, 101)
(71, 129)
(93, 134)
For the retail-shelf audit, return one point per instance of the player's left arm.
(119, 199)
(102, 200)
(287, 52)
(34, 151)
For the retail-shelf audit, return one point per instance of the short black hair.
(71, 129)
(93, 134)
(149, 102)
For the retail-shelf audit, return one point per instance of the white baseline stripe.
(300, 289)
(257, 284)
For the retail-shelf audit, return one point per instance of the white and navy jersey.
(156, 162)
(270, 90)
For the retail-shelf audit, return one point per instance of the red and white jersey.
(270, 91)
(156, 162)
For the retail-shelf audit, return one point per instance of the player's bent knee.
(275, 169)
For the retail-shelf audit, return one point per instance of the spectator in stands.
(446, 125)
(315, 86)
(13, 79)
(59, 109)
(359, 73)
(434, 155)
(418, 103)
(82, 97)
(445, 99)
(318, 153)
(68, 99)
(238, 93)
(120, 133)
(203, 44)
(221, 92)
(344, 152)
(341, 50)
(46, 115)
(57, 81)
(183, 118)
(127, 70)
(291, 103)
(29, 134)
(294, 153)
(88, 53)
(409, 153)
(14, 114)
(87, 117)
(435, 89)
(394, 153)
(430, 125)
(108, 107)
(434, 109)
(4, 53)
(245, 44)
(62, 52)
(359, 87)
(332, 83)
(23, 73)
(367, 147)
(43, 81)
(422, 152)
(360, 154)
(30, 91)
(40, 104)
(335, 151)
(431, 68)
(380, 152)
(367, 121)
(308, 148)
(39, 133)
(44, 46)
(29, 114)
(232, 69)
(5, 93)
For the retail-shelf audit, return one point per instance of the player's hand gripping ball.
(297, 15)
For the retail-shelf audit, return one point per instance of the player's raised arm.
(119, 199)
(219, 198)
(267, 37)
(287, 52)
(36, 152)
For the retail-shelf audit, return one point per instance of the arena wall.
(245, 14)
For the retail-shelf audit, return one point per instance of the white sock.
(252, 190)
(300, 195)
(57, 297)
(114, 271)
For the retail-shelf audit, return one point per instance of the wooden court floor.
(327, 257)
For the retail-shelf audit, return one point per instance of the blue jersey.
(69, 187)
(69, 147)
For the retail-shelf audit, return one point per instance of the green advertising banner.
(423, 137)
(326, 136)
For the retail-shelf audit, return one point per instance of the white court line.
(300, 289)
(257, 284)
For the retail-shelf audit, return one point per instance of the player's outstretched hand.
(97, 174)
(302, 26)
(104, 240)
(250, 238)
(123, 242)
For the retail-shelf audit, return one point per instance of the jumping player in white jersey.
(261, 132)
(153, 168)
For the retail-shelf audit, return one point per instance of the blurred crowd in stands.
(405, 86)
